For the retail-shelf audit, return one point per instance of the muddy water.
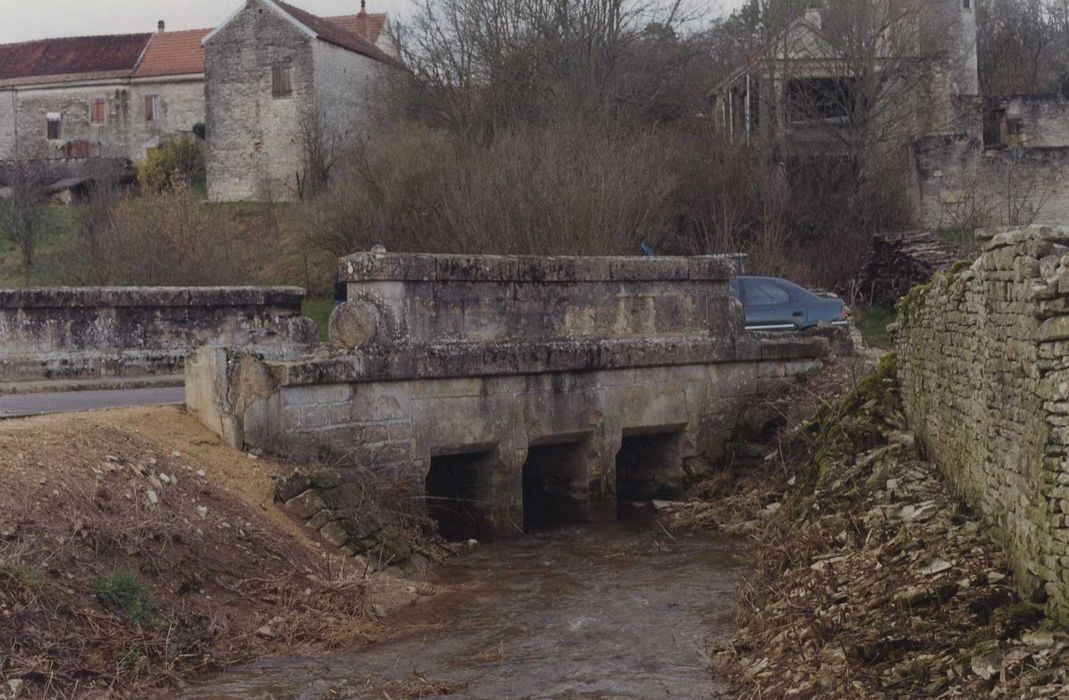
(579, 613)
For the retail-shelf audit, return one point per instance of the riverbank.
(872, 580)
(137, 551)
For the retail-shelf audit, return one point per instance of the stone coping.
(99, 297)
(405, 267)
(466, 360)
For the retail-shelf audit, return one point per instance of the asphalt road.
(75, 401)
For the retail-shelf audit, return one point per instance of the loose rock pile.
(899, 261)
(873, 581)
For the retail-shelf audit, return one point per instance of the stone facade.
(1032, 121)
(523, 388)
(8, 107)
(961, 184)
(984, 371)
(73, 333)
(256, 138)
(125, 131)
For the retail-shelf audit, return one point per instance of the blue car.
(774, 304)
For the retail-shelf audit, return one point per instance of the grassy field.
(51, 246)
(319, 311)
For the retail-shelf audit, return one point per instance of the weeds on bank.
(121, 589)
(24, 576)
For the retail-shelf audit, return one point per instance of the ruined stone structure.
(800, 90)
(984, 371)
(79, 333)
(1016, 172)
(284, 87)
(513, 392)
(970, 159)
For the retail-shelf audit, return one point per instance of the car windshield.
(802, 293)
(763, 291)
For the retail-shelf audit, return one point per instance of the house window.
(97, 111)
(967, 4)
(820, 99)
(281, 85)
(152, 108)
(55, 126)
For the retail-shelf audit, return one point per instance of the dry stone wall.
(984, 369)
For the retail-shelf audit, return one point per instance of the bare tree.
(94, 216)
(22, 210)
(321, 148)
(484, 65)
(1017, 44)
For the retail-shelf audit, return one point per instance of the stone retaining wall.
(76, 333)
(984, 369)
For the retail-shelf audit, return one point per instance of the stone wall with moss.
(984, 371)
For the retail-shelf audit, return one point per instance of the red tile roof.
(367, 25)
(173, 53)
(163, 54)
(334, 34)
(105, 56)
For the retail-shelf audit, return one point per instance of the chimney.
(361, 20)
(814, 17)
(161, 26)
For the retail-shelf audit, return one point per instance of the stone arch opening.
(555, 486)
(648, 466)
(459, 494)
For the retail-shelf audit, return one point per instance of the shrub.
(181, 158)
(568, 188)
(121, 589)
(165, 237)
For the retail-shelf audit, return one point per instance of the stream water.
(577, 613)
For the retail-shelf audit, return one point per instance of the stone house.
(67, 100)
(284, 87)
(804, 84)
(101, 96)
(970, 159)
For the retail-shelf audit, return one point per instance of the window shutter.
(281, 86)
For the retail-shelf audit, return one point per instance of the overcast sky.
(21, 20)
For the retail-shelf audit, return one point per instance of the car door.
(770, 306)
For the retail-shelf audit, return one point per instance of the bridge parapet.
(95, 332)
(414, 299)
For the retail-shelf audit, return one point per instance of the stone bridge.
(511, 393)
